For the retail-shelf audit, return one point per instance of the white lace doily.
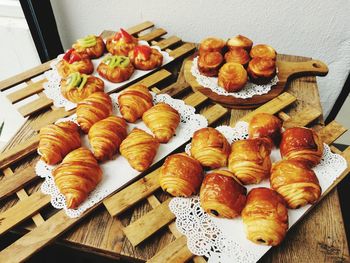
(52, 88)
(249, 90)
(223, 240)
(118, 172)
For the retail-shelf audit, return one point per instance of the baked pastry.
(162, 120)
(264, 125)
(222, 195)
(91, 46)
(212, 44)
(80, 86)
(145, 58)
(116, 69)
(94, 108)
(209, 63)
(238, 55)
(263, 51)
(261, 70)
(301, 144)
(121, 43)
(241, 42)
(181, 175)
(250, 160)
(295, 182)
(210, 148)
(71, 62)
(134, 101)
(139, 148)
(57, 140)
(232, 77)
(77, 175)
(265, 217)
(105, 137)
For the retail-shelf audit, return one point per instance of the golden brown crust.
(209, 63)
(241, 42)
(77, 175)
(250, 160)
(222, 195)
(212, 44)
(181, 175)
(301, 144)
(94, 108)
(121, 46)
(134, 101)
(162, 120)
(106, 135)
(154, 61)
(295, 182)
(210, 148)
(263, 51)
(264, 125)
(57, 140)
(232, 77)
(116, 74)
(139, 148)
(261, 70)
(95, 51)
(238, 55)
(83, 66)
(265, 217)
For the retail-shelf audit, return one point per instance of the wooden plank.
(153, 34)
(195, 99)
(307, 115)
(49, 117)
(331, 132)
(140, 27)
(35, 106)
(182, 50)
(26, 91)
(214, 113)
(155, 78)
(168, 42)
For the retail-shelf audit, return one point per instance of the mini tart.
(145, 58)
(209, 63)
(74, 62)
(232, 77)
(263, 51)
(261, 70)
(212, 44)
(237, 55)
(115, 68)
(80, 86)
(91, 46)
(240, 41)
(121, 43)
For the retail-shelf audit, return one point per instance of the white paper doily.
(118, 172)
(249, 90)
(223, 240)
(52, 88)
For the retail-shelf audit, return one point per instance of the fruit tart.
(115, 68)
(74, 62)
(145, 58)
(91, 46)
(121, 43)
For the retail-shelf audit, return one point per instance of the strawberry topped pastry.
(115, 68)
(91, 46)
(74, 62)
(145, 58)
(121, 43)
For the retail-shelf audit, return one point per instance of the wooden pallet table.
(109, 228)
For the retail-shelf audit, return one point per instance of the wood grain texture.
(156, 33)
(27, 91)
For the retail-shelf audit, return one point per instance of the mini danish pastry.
(232, 77)
(121, 43)
(261, 70)
(212, 44)
(240, 42)
(209, 63)
(237, 55)
(74, 62)
(116, 69)
(263, 51)
(91, 46)
(146, 58)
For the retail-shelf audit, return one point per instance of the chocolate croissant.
(105, 137)
(57, 140)
(212, 44)
(162, 120)
(232, 77)
(263, 51)
(222, 195)
(139, 148)
(121, 43)
(94, 108)
(74, 62)
(238, 55)
(240, 41)
(301, 144)
(264, 125)
(77, 175)
(295, 182)
(91, 46)
(265, 217)
(261, 70)
(250, 160)
(146, 58)
(116, 69)
(209, 63)
(181, 175)
(134, 101)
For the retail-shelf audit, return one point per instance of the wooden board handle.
(311, 67)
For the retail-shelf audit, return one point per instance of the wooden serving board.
(286, 72)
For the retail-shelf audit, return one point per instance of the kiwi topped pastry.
(121, 43)
(92, 46)
(115, 68)
(73, 61)
(146, 58)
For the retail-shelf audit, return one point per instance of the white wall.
(318, 29)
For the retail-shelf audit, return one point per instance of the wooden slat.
(168, 42)
(331, 132)
(155, 78)
(140, 27)
(307, 115)
(26, 91)
(182, 50)
(153, 34)
(214, 113)
(195, 99)
(35, 106)
(49, 117)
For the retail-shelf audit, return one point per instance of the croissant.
(295, 182)
(238, 55)
(209, 63)
(91, 46)
(261, 70)
(181, 175)
(121, 43)
(264, 125)
(146, 58)
(210, 147)
(139, 148)
(77, 175)
(222, 195)
(116, 69)
(212, 44)
(250, 160)
(162, 120)
(134, 101)
(232, 77)
(57, 140)
(105, 137)
(263, 51)
(265, 217)
(93, 109)
(74, 62)
(240, 42)
(80, 86)
(301, 144)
